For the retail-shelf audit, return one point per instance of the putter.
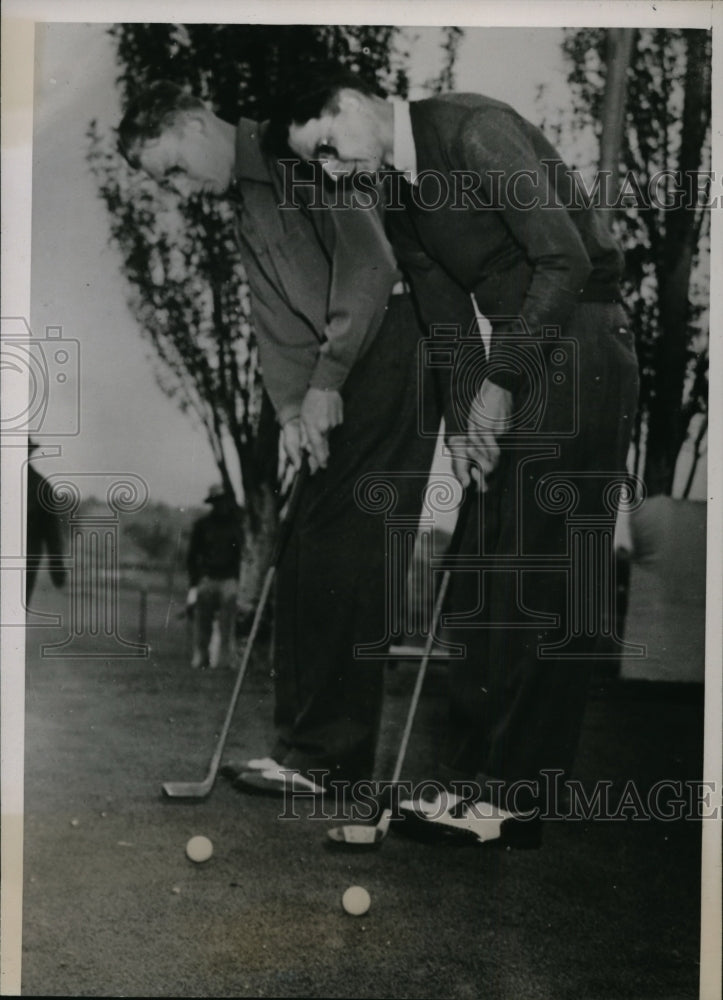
(200, 789)
(363, 837)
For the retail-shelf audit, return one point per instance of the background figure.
(214, 562)
(44, 533)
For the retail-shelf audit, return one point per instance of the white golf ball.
(199, 848)
(356, 900)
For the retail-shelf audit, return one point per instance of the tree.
(445, 80)
(619, 49)
(187, 286)
(661, 219)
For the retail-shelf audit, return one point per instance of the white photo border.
(19, 18)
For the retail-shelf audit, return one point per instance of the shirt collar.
(251, 164)
(405, 152)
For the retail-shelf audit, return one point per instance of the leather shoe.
(450, 818)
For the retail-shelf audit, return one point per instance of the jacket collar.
(404, 153)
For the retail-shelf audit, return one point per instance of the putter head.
(186, 789)
(356, 837)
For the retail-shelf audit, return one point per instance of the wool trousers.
(534, 598)
(332, 589)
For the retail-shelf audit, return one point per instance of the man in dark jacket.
(481, 209)
(214, 563)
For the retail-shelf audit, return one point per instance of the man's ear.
(349, 100)
(192, 121)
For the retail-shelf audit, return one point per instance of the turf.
(114, 908)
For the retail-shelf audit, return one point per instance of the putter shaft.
(351, 834)
(199, 790)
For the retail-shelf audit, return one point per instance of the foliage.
(187, 291)
(667, 129)
(452, 39)
(157, 532)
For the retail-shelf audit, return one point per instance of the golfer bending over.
(338, 340)
(485, 205)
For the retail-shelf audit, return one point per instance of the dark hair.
(307, 93)
(151, 113)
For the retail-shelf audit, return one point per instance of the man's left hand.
(321, 411)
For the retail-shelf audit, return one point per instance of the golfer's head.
(177, 140)
(339, 118)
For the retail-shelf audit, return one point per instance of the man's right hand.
(293, 438)
(457, 450)
(321, 411)
(476, 454)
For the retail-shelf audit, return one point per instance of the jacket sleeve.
(448, 322)
(288, 348)
(493, 141)
(363, 272)
(293, 355)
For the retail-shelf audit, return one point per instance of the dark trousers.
(331, 585)
(530, 615)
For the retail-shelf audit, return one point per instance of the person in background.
(44, 532)
(214, 564)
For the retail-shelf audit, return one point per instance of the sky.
(126, 423)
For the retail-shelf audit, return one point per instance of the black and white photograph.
(361, 500)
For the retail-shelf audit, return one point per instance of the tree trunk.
(619, 52)
(259, 471)
(667, 426)
(259, 533)
(697, 452)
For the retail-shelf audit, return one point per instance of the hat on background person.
(215, 492)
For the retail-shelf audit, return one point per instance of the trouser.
(216, 598)
(330, 588)
(534, 608)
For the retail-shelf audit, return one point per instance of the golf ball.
(199, 848)
(356, 900)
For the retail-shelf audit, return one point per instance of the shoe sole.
(254, 781)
